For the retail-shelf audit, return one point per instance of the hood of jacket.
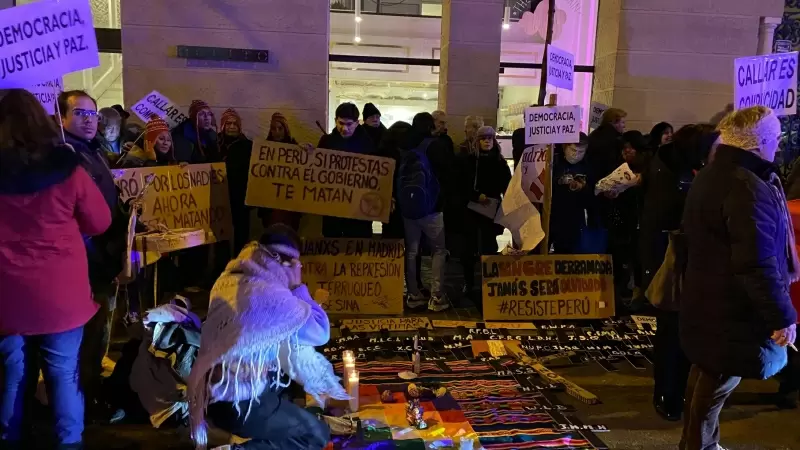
(18, 179)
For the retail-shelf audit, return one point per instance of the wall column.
(673, 61)
(766, 34)
(470, 61)
(295, 81)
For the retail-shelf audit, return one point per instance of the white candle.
(352, 391)
(348, 364)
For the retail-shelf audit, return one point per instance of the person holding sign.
(48, 203)
(195, 139)
(485, 175)
(279, 131)
(236, 150)
(158, 149)
(259, 336)
(736, 314)
(348, 136)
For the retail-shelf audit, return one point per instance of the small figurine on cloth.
(414, 413)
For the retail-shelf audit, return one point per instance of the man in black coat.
(736, 314)
(348, 136)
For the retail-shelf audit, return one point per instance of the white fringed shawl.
(250, 332)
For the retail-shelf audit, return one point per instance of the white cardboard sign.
(560, 68)
(45, 39)
(596, 114)
(158, 104)
(47, 94)
(552, 125)
(768, 80)
(533, 163)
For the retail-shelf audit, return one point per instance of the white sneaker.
(439, 303)
(415, 301)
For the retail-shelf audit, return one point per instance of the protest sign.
(188, 197)
(533, 163)
(518, 214)
(552, 125)
(547, 287)
(362, 276)
(560, 68)
(394, 324)
(768, 80)
(45, 39)
(158, 104)
(454, 323)
(596, 114)
(324, 182)
(47, 94)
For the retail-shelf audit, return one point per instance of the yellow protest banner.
(324, 182)
(390, 324)
(538, 287)
(454, 324)
(511, 325)
(362, 276)
(193, 196)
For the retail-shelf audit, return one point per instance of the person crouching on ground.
(48, 201)
(736, 316)
(260, 334)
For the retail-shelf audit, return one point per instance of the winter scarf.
(250, 338)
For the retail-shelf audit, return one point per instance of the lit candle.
(348, 364)
(352, 391)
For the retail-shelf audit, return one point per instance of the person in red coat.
(790, 384)
(48, 204)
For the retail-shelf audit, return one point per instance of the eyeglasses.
(84, 113)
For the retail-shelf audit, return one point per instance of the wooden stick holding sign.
(548, 190)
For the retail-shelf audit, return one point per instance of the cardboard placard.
(45, 39)
(596, 114)
(193, 196)
(155, 103)
(47, 93)
(454, 323)
(768, 80)
(552, 125)
(511, 325)
(533, 162)
(560, 68)
(324, 182)
(547, 287)
(392, 324)
(362, 276)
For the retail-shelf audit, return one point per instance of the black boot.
(668, 409)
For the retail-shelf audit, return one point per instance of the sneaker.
(438, 303)
(415, 301)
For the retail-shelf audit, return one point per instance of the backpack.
(417, 186)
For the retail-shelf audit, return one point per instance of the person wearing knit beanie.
(231, 123)
(279, 130)
(235, 149)
(195, 140)
(157, 139)
(372, 116)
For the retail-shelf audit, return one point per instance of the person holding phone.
(571, 197)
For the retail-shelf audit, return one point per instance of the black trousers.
(274, 423)
(480, 238)
(671, 367)
(790, 377)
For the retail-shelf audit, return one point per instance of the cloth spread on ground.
(166, 355)
(251, 332)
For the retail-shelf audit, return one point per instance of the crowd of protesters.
(706, 196)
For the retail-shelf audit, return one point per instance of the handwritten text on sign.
(194, 196)
(547, 287)
(596, 114)
(324, 182)
(552, 125)
(45, 39)
(157, 104)
(560, 67)
(362, 276)
(47, 94)
(534, 160)
(394, 324)
(769, 80)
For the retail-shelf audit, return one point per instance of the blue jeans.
(433, 228)
(59, 352)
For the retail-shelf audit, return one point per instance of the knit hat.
(370, 110)
(231, 115)
(281, 119)
(751, 128)
(195, 108)
(154, 128)
(486, 131)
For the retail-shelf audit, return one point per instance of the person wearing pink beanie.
(195, 140)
